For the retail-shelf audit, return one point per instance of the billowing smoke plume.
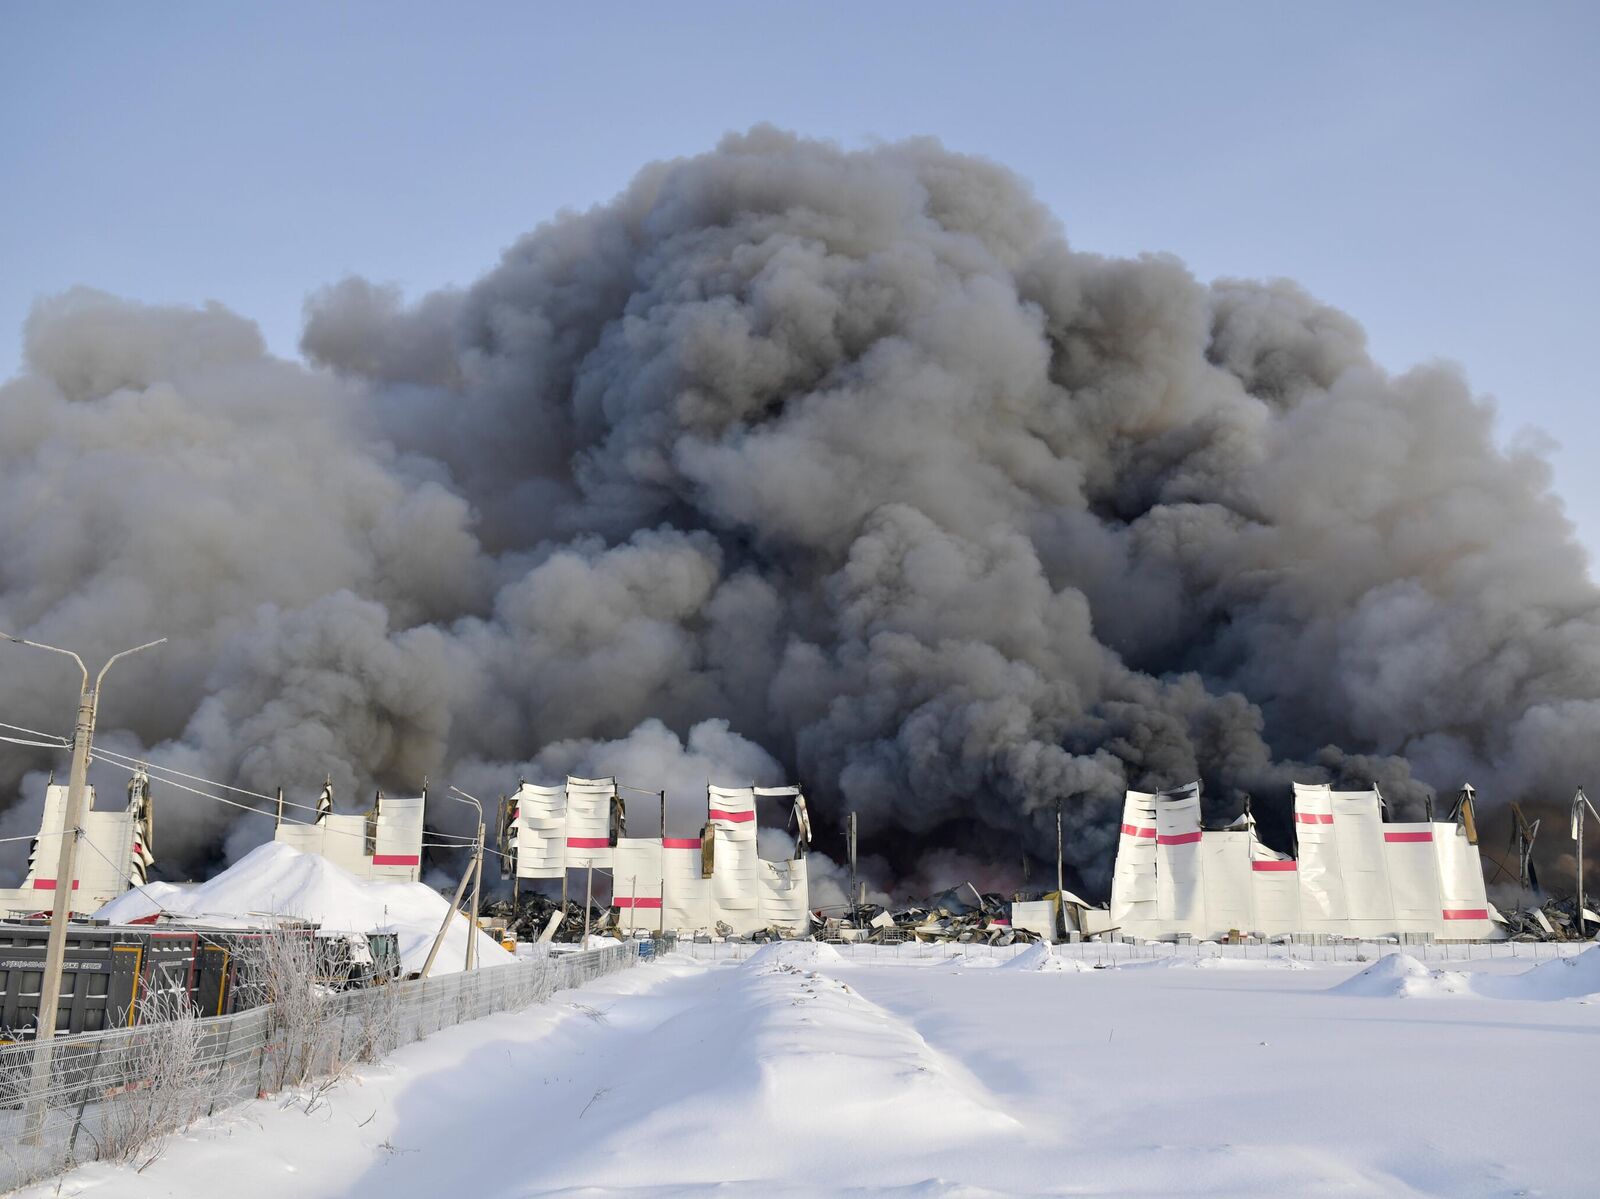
(794, 462)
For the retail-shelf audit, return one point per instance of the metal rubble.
(961, 915)
(1554, 920)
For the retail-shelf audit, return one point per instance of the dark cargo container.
(111, 971)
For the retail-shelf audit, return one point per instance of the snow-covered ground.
(803, 1072)
(277, 880)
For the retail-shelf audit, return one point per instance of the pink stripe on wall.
(49, 884)
(622, 901)
(680, 843)
(1466, 913)
(589, 842)
(1314, 817)
(1179, 838)
(395, 859)
(1408, 836)
(736, 817)
(1285, 865)
(1133, 830)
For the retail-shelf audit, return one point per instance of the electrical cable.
(19, 728)
(39, 744)
(126, 877)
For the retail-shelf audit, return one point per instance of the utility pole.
(1061, 869)
(66, 866)
(661, 903)
(1060, 919)
(450, 912)
(588, 903)
(477, 884)
(850, 836)
(477, 877)
(1580, 801)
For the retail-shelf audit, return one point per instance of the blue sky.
(1432, 168)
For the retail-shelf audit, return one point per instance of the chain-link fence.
(111, 1094)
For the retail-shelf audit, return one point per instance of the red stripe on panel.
(736, 817)
(1283, 865)
(396, 859)
(1314, 817)
(1179, 838)
(680, 843)
(1408, 836)
(589, 842)
(642, 901)
(1466, 913)
(49, 884)
(1134, 830)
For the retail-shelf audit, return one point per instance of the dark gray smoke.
(849, 450)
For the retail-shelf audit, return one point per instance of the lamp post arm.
(56, 650)
(101, 676)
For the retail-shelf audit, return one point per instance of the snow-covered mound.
(1401, 976)
(794, 955)
(276, 880)
(1042, 958)
(1563, 978)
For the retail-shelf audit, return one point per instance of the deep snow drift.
(277, 880)
(806, 1071)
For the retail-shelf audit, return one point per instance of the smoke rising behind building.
(792, 462)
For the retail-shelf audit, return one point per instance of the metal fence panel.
(96, 1086)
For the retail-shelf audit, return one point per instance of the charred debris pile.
(961, 915)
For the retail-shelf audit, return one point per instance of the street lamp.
(71, 820)
(66, 864)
